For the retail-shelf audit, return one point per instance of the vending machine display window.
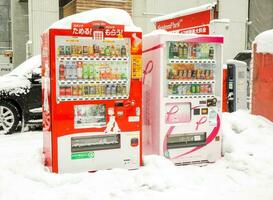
(90, 116)
(90, 69)
(190, 69)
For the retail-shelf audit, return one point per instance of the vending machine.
(182, 76)
(92, 90)
(236, 85)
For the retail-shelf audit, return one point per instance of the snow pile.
(244, 173)
(264, 42)
(16, 82)
(109, 15)
(14, 85)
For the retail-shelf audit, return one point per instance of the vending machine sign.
(94, 97)
(192, 20)
(89, 29)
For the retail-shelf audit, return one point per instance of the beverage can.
(108, 90)
(180, 89)
(193, 89)
(170, 89)
(62, 91)
(74, 90)
(113, 90)
(85, 90)
(79, 69)
(85, 70)
(80, 90)
(197, 88)
(68, 91)
(61, 71)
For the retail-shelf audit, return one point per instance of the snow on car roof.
(109, 15)
(27, 66)
(264, 42)
(16, 82)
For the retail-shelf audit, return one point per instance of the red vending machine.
(92, 86)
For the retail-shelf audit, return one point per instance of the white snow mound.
(245, 172)
(109, 15)
(264, 42)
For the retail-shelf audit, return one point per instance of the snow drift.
(245, 172)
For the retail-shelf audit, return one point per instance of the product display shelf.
(188, 61)
(90, 81)
(191, 96)
(88, 58)
(79, 98)
(191, 81)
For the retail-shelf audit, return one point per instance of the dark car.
(21, 96)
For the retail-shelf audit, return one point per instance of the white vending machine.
(182, 87)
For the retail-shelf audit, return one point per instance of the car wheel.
(9, 117)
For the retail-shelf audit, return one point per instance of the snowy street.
(245, 172)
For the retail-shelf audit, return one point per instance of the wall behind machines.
(41, 15)
(77, 6)
(260, 17)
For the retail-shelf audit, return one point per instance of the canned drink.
(119, 90)
(202, 74)
(97, 90)
(74, 90)
(170, 89)
(61, 50)
(174, 91)
(193, 75)
(198, 74)
(68, 91)
(113, 90)
(62, 91)
(188, 89)
(85, 90)
(90, 51)
(91, 71)
(189, 74)
(103, 90)
(85, 71)
(85, 50)
(61, 71)
(193, 89)
(124, 90)
(180, 89)
(80, 90)
(79, 70)
(73, 50)
(197, 88)
(108, 90)
(209, 89)
(211, 75)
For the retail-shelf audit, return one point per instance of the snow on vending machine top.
(182, 90)
(91, 92)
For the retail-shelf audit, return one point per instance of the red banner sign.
(187, 22)
(88, 29)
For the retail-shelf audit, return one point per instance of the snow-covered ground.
(245, 172)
